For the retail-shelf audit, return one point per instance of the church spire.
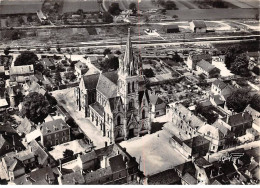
(129, 66)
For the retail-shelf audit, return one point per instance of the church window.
(118, 108)
(131, 103)
(133, 86)
(118, 120)
(143, 114)
(128, 88)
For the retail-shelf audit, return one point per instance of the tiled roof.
(20, 70)
(98, 108)
(39, 176)
(42, 156)
(26, 126)
(117, 163)
(211, 131)
(205, 65)
(219, 84)
(238, 119)
(96, 175)
(189, 179)
(90, 81)
(221, 128)
(202, 162)
(88, 156)
(48, 62)
(73, 178)
(53, 126)
(166, 177)
(199, 23)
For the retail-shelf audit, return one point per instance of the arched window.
(118, 120)
(131, 103)
(143, 114)
(128, 88)
(133, 86)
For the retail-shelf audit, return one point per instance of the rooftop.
(53, 126)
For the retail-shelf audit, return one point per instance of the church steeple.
(129, 65)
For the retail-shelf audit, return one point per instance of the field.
(211, 14)
(85, 5)
(244, 3)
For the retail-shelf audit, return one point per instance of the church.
(117, 102)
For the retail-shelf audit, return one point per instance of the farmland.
(213, 14)
(86, 6)
(244, 3)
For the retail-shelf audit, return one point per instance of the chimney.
(105, 144)
(227, 119)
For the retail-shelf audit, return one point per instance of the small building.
(194, 58)
(81, 69)
(158, 106)
(54, 133)
(174, 28)
(198, 26)
(208, 70)
(21, 74)
(48, 63)
(3, 105)
(237, 124)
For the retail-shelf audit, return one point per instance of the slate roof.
(205, 65)
(53, 126)
(166, 177)
(195, 142)
(199, 23)
(90, 81)
(107, 84)
(20, 70)
(42, 156)
(186, 167)
(39, 176)
(188, 178)
(238, 119)
(98, 108)
(117, 163)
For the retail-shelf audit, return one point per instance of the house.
(174, 28)
(220, 92)
(80, 69)
(198, 26)
(186, 122)
(237, 123)
(186, 171)
(42, 176)
(15, 94)
(255, 115)
(10, 142)
(35, 87)
(114, 101)
(3, 105)
(21, 74)
(158, 106)
(108, 165)
(208, 70)
(2, 72)
(166, 177)
(48, 63)
(194, 147)
(194, 58)
(26, 127)
(54, 133)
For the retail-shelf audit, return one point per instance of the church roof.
(107, 86)
(98, 108)
(90, 81)
(113, 102)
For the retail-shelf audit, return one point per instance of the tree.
(170, 5)
(7, 50)
(68, 153)
(107, 18)
(111, 63)
(39, 67)
(57, 78)
(26, 58)
(114, 9)
(240, 65)
(107, 51)
(58, 49)
(257, 16)
(231, 53)
(70, 76)
(148, 73)
(132, 6)
(35, 107)
(206, 112)
(255, 102)
(15, 35)
(238, 100)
